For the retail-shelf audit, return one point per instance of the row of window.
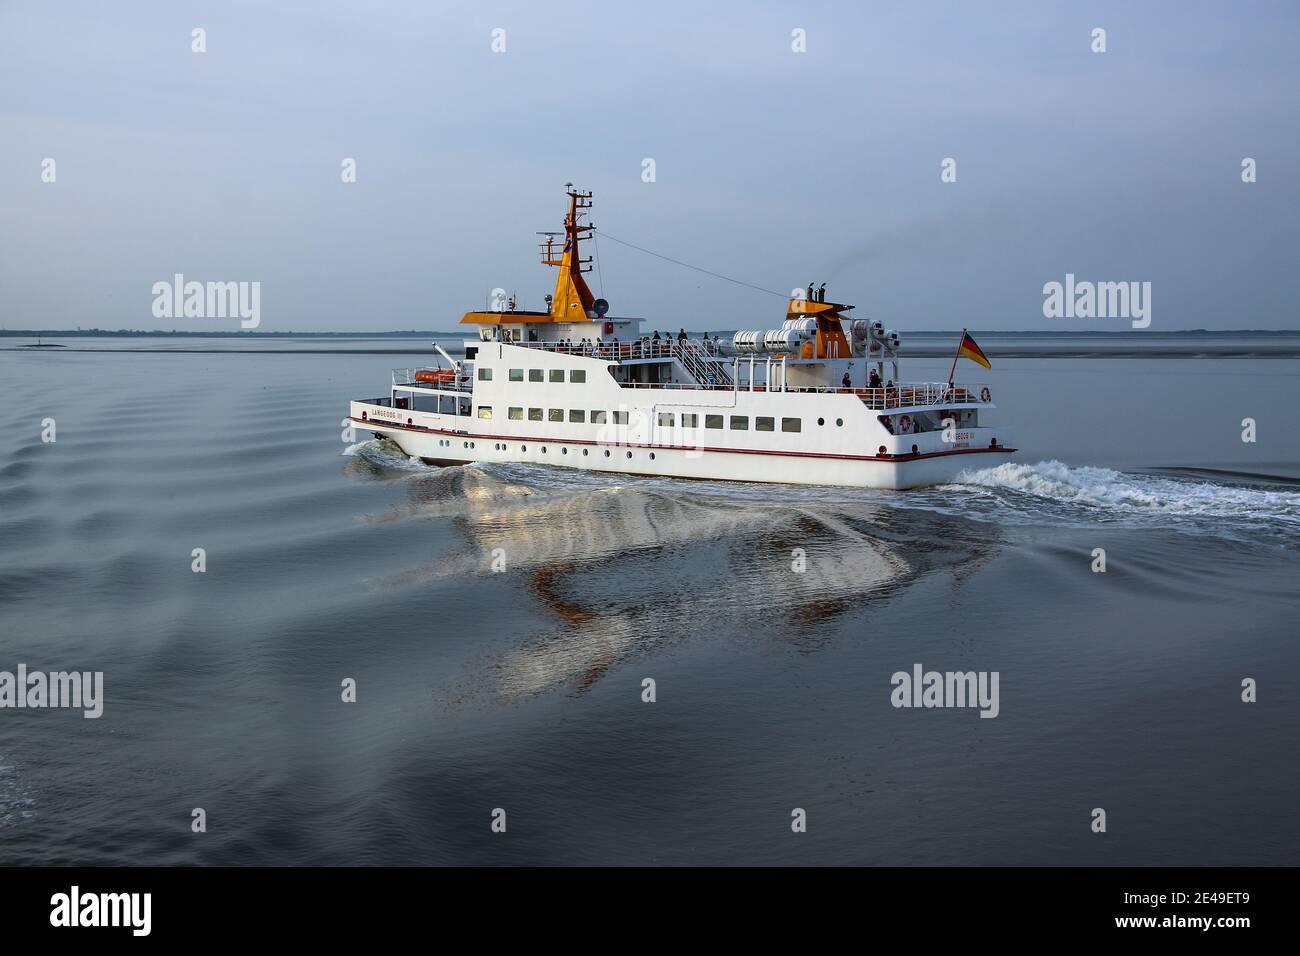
(576, 375)
(578, 416)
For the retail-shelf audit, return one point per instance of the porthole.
(543, 449)
(606, 452)
(839, 422)
(523, 448)
(652, 456)
(584, 452)
(564, 451)
(629, 454)
(914, 449)
(821, 421)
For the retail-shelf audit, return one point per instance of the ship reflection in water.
(641, 564)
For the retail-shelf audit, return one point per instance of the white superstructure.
(574, 388)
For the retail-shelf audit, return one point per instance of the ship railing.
(620, 351)
(406, 376)
(904, 395)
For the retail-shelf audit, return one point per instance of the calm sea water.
(329, 559)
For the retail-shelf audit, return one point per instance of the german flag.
(970, 350)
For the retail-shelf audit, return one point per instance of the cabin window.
(471, 353)
(712, 421)
(555, 415)
(534, 375)
(557, 375)
(597, 417)
(740, 423)
(791, 424)
(620, 418)
(464, 407)
(447, 404)
(690, 420)
(577, 415)
(485, 411)
(485, 375)
(764, 424)
(666, 420)
(425, 403)
(578, 375)
(515, 414)
(516, 375)
(534, 414)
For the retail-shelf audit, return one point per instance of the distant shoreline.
(242, 334)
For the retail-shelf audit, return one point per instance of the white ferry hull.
(902, 472)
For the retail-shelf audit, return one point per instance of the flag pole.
(953, 370)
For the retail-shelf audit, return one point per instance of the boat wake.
(1054, 493)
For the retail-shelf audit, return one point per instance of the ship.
(818, 401)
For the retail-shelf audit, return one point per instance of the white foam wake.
(1135, 493)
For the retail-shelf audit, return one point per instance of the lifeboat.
(435, 376)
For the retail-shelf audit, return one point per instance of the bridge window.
(577, 415)
(534, 414)
(485, 411)
(557, 375)
(666, 420)
(597, 417)
(534, 375)
(515, 414)
(555, 415)
(516, 375)
(578, 375)
(791, 424)
(740, 423)
(764, 424)
(712, 421)
(485, 375)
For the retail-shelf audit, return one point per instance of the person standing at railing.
(873, 381)
(681, 337)
(846, 381)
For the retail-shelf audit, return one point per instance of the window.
(578, 375)
(666, 420)
(516, 375)
(534, 375)
(597, 417)
(620, 418)
(485, 375)
(764, 424)
(555, 415)
(690, 421)
(791, 424)
(712, 421)
(447, 404)
(485, 411)
(534, 414)
(557, 375)
(577, 415)
(740, 423)
(515, 414)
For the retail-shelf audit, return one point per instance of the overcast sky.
(775, 167)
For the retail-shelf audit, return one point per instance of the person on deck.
(873, 380)
(847, 382)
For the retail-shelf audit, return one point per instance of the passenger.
(874, 380)
(821, 293)
(656, 335)
(846, 381)
(681, 336)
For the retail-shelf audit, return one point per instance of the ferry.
(818, 401)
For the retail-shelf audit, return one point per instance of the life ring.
(609, 328)
(905, 424)
(985, 394)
